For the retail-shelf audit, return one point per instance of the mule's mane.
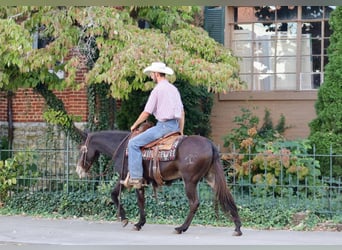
(106, 141)
(112, 132)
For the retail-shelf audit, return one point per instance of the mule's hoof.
(124, 222)
(237, 233)
(178, 231)
(136, 228)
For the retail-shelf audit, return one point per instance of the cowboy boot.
(131, 183)
(125, 181)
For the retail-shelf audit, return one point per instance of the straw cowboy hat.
(158, 67)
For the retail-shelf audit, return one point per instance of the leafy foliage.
(167, 18)
(198, 104)
(109, 41)
(12, 169)
(171, 207)
(263, 157)
(101, 108)
(326, 128)
(123, 49)
(57, 114)
(130, 109)
(4, 150)
(247, 135)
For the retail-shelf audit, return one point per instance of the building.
(283, 51)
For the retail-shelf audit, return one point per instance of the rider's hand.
(133, 127)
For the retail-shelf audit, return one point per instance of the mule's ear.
(84, 135)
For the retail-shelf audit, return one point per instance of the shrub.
(326, 128)
(264, 158)
(171, 207)
(12, 169)
(246, 136)
(4, 150)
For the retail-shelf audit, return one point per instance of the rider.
(166, 105)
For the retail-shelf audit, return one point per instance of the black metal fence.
(53, 170)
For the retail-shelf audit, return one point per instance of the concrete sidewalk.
(77, 232)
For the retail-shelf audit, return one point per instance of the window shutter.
(214, 22)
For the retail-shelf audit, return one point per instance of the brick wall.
(3, 106)
(28, 106)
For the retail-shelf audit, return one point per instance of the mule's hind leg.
(115, 198)
(191, 193)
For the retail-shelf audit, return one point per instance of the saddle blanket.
(163, 154)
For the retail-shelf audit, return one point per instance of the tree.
(326, 128)
(115, 47)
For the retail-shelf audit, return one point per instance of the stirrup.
(131, 183)
(125, 181)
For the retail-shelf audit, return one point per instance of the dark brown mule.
(196, 157)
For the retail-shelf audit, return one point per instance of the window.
(40, 42)
(281, 47)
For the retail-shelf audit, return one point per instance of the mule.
(196, 157)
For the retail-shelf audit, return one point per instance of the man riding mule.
(194, 158)
(166, 105)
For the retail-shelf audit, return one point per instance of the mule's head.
(87, 156)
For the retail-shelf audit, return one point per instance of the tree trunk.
(10, 119)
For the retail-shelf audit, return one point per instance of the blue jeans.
(134, 152)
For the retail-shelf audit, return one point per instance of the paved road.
(76, 232)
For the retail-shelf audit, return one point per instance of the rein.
(84, 150)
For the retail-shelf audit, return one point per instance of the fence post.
(67, 163)
(331, 178)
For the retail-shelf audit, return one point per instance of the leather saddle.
(162, 149)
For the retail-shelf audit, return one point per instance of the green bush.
(326, 128)
(171, 207)
(4, 150)
(248, 137)
(264, 158)
(13, 169)
(327, 144)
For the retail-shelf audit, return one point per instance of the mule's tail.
(223, 194)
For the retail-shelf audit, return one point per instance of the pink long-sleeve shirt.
(164, 102)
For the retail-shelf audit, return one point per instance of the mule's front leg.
(115, 198)
(141, 204)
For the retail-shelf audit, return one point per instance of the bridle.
(84, 151)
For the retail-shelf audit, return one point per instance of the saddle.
(165, 145)
(162, 149)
